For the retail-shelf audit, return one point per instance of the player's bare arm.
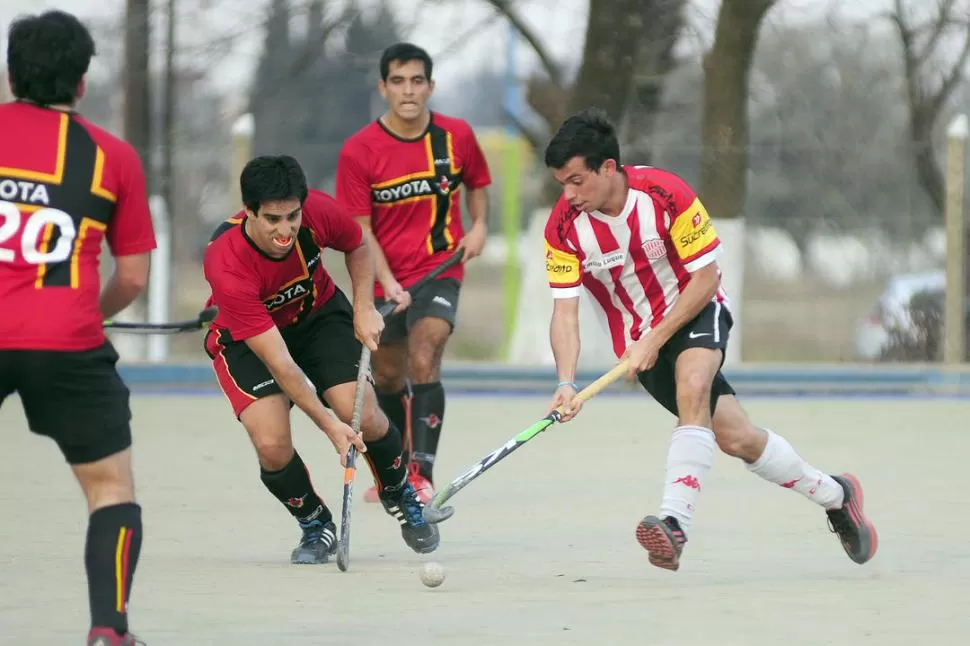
(128, 281)
(564, 337)
(392, 289)
(368, 323)
(697, 294)
(271, 350)
(474, 240)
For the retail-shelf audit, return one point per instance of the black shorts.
(324, 346)
(75, 398)
(438, 299)
(709, 329)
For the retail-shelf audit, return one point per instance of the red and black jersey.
(411, 188)
(65, 185)
(255, 291)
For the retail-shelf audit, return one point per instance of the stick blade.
(343, 558)
(435, 515)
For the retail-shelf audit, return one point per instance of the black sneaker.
(319, 542)
(858, 536)
(663, 539)
(403, 504)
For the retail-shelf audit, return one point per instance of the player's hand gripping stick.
(453, 260)
(435, 513)
(350, 471)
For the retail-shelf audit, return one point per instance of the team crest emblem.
(444, 185)
(655, 248)
(696, 221)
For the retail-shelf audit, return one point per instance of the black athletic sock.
(291, 485)
(110, 556)
(386, 458)
(397, 407)
(428, 413)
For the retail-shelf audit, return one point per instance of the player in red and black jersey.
(65, 186)
(285, 333)
(403, 176)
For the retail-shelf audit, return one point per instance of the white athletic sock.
(781, 465)
(689, 458)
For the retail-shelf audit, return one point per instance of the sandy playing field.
(541, 550)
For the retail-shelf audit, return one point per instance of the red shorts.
(324, 346)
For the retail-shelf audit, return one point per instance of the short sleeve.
(130, 231)
(353, 189)
(331, 224)
(236, 294)
(694, 237)
(563, 266)
(475, 172)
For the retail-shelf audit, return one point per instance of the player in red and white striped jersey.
(644, 248)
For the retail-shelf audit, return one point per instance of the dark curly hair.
(47, 56)
(587, 134)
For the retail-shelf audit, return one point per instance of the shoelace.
(839, 523)
(411, 506)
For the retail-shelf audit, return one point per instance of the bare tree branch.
(939, 26)
(926, 99)
(504, 7)
(534, 138)
(954, 78)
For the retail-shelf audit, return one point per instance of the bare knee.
(426, 349)
(267, 421)
(108, 481)
(390, 367)
(694, 374)
(373, 423)
(273, 454)
(694, 398)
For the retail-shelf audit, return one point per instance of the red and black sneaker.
(663, 539)
(858, 536)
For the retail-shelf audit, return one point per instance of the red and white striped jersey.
(635, 265)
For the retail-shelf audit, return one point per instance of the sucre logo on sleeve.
(692, 231)
(562, 268)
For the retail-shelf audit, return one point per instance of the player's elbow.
(131, 273)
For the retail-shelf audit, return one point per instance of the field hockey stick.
(435, 513)
(363, 372)
(350, 472)
(200, 322)
(453, 260)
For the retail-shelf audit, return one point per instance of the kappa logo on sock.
(296, 503)
(688, 481)
(396, 464)
(814, 490)
(432, 420)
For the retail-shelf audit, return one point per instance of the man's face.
(585, 190)
(406, 89)
(275, 226)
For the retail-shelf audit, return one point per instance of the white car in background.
(892, 311)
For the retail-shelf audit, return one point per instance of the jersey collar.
(408, 140)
